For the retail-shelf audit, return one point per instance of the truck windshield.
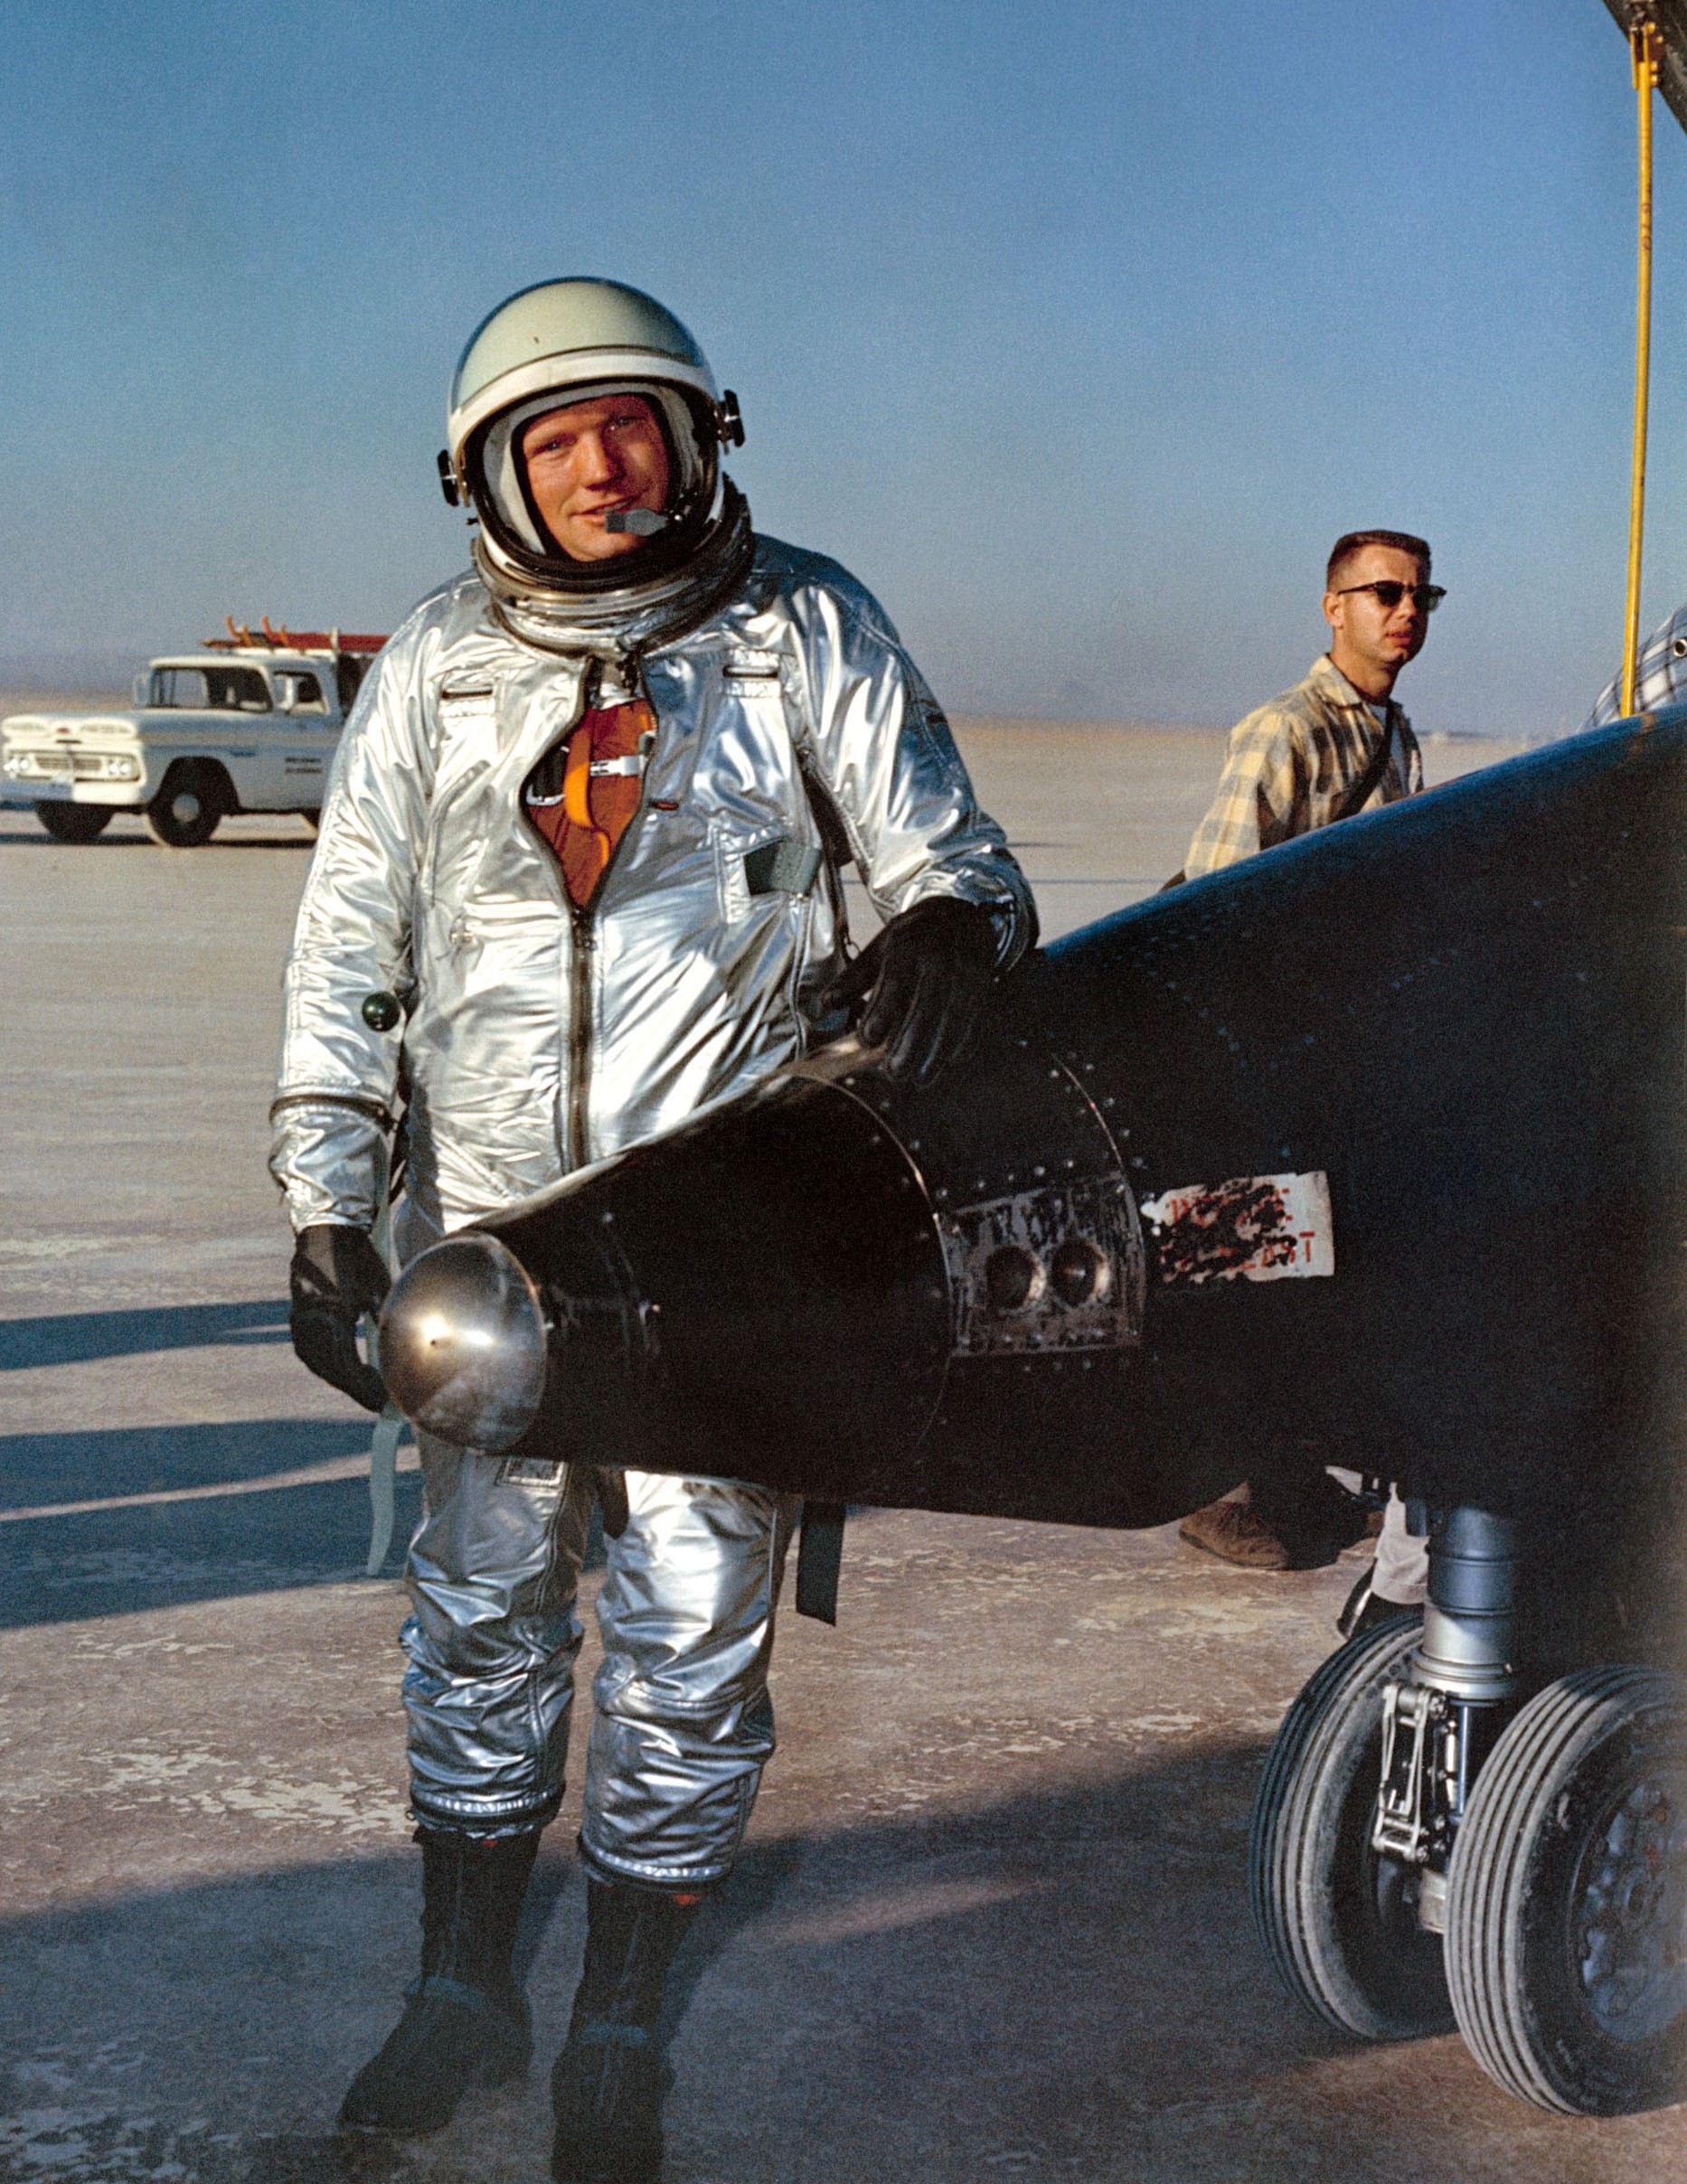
(219, 689)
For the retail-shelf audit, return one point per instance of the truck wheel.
(191, 801)
(74, 822)
(1338, 1922)
(1567, 1899)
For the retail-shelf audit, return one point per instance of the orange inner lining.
(585, 825)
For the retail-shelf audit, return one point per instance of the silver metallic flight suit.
(541, 1037)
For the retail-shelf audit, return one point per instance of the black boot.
(465, 2022)
(1313, 1515)
(608, 2082)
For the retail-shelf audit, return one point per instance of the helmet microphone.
(643, 522)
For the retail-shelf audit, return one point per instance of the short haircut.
(1353, 542)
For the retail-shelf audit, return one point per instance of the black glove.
(925, 979)
(337, 1276)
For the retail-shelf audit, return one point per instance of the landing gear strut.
(1442, 1718)
(1408, 1797)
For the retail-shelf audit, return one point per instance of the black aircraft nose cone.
(463, 1345)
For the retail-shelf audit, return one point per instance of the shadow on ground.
(1057, 1985)
(113, 840)
(89, 1563)
(884, 2001)
(116, 1561)
(74, 1338)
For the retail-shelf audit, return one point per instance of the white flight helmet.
(568, 341)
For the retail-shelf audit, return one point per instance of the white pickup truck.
(248, 724)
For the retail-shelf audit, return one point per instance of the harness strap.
(819, 1560)
(1365, 787)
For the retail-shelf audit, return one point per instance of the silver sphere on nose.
(463, 1343)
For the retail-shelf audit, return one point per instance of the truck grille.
(72, 766)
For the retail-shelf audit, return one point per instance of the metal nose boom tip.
(463, 1345)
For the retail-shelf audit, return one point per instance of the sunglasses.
(1425, 598)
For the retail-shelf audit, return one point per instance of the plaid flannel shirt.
(1290, 764)
(1659, 675)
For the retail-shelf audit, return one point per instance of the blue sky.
(1078, 331)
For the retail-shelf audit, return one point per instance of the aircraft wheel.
(190, 803)
(74, 822)
(1338, 1922)
(1567, 1899)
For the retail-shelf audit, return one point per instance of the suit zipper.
(580, 1000)
(584, 943)
(581, 997)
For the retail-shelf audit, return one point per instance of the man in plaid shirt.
(1294, 763)
(1659, 675)
(1334, 745)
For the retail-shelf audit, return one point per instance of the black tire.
(74, 822)
(1339, 1923)
(1567, 1899)
(192, 799)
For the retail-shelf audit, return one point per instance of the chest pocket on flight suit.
(778, 863)
(771, 861)
(466, 715)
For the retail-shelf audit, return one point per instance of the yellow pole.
(1644, 45)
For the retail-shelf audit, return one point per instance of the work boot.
(465, 2022)
(608, 2082)
(1236, 1533)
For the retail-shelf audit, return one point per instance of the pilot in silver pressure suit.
(577, 878)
